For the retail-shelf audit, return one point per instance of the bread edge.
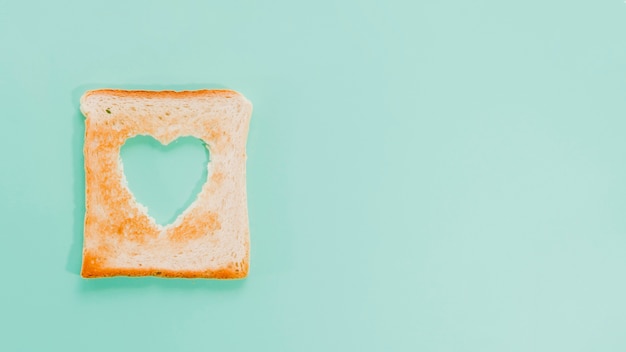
(89, 272)
(159, 94)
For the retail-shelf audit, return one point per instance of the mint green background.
(422, 175)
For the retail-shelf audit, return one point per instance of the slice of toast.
(210, 239)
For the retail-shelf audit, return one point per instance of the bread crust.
(158, 94)
(94, 271)
(120, 238)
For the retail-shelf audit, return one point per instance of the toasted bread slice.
(210, 239)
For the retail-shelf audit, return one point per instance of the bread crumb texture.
(210, 239)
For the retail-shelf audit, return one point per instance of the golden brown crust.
(226, 93)
(112, 219)
(92, 269)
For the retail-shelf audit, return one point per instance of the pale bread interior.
(210, 238)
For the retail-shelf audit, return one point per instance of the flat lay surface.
(421, 175)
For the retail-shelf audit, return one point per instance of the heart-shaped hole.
(166, 179)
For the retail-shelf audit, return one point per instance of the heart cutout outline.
(150, 167)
